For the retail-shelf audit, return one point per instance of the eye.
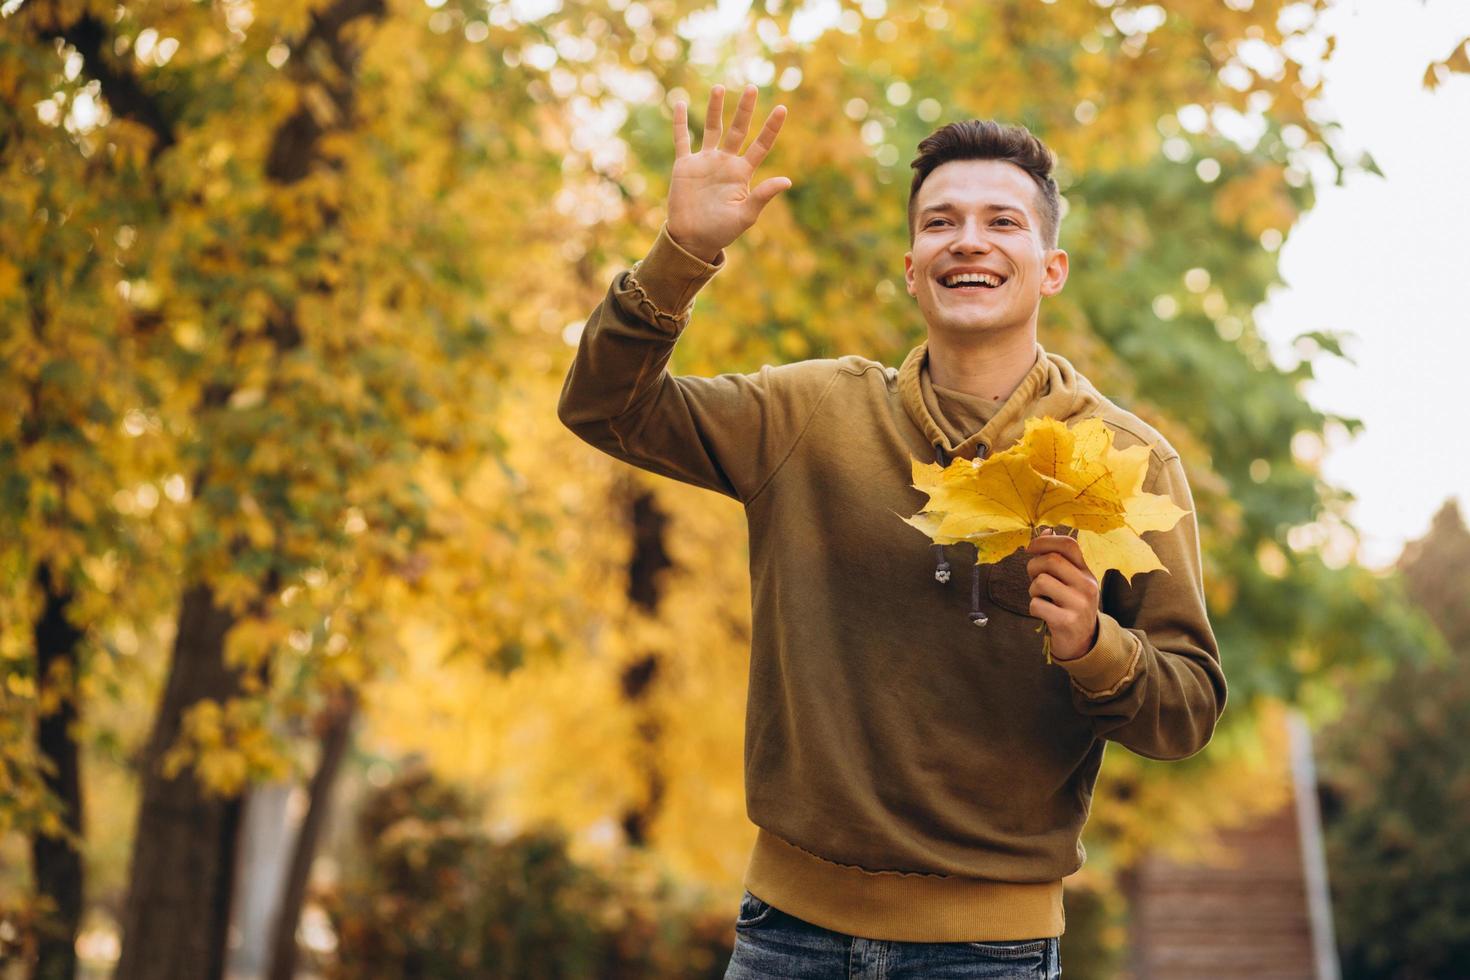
(932, 222)
(1011, 220)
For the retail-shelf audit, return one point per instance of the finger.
(1059, 544)
(1067, 627)
(681, 130)
(1052, 615)
(713, 119)
(1060, 567)
(766, 138)
(766, 190)
(1054, 590)
(735, 135)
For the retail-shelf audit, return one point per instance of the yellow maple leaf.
(1054, 476)
(1080, 489)
(1122, 549)
(962, 506)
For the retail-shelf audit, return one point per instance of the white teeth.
(971, 277)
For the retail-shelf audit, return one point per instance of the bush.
(437, 897)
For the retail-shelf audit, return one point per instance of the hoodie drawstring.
(942, 567)
(977, 618)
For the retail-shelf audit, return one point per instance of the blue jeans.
(775, 945)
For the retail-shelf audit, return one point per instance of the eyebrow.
(947, 206)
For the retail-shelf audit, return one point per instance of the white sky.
(1387, 260)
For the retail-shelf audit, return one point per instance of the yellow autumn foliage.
(1054, 476)
(227, 745)
(478, 585)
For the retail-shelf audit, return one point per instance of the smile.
(971, 280)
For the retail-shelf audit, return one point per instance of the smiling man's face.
(980, 217)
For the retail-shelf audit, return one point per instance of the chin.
(989, 331)
(972, 327)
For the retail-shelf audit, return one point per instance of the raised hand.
(711, 202)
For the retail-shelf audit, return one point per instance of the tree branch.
(124, 95)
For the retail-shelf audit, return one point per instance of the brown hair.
(983, 139)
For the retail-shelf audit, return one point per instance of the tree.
(1395, 780)
(79, 457)
(292, 256)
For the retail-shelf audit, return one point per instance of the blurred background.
(325, 651)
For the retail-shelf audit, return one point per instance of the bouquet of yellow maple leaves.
(1054, 477)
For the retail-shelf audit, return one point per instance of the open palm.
(711, 202)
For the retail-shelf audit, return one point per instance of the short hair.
(984, 139)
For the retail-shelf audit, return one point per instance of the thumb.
(766, 190)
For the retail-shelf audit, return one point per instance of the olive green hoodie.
(913, 777)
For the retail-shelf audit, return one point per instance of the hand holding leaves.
(1055, 476)
(1064, 595)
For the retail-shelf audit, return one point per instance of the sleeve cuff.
(668, 277)
(1110, 665)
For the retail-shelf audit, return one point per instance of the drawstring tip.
(941, 566)
(977, 617)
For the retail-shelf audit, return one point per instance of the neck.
(991, 368)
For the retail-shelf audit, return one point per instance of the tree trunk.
(650, 557)
(57, 865)
(176, 918)
(336, 737)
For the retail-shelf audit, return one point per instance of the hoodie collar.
(1052, 387)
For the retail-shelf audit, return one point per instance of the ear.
(908, 272)
(1054, 272)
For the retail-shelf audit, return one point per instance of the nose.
(969, 238)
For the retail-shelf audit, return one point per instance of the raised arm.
(728, 433)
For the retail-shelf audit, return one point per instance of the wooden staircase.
(1261, 915)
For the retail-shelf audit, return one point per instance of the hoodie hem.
(899, 906)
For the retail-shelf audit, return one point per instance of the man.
(919, 785)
